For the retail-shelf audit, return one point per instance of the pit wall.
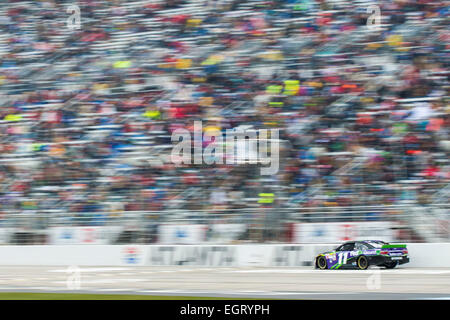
(432, 255)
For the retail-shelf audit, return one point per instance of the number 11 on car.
(342, 257)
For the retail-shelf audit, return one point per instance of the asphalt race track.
(282, 283)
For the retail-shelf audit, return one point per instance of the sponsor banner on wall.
(6, 234)
(332, 232)
(254, 255)
(133, 255)
(83, 235)
(192, 255)
(235, 255)
(182, 233)
(226, 232)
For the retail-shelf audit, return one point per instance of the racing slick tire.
(391, 265)
(362, 263)
(321, 263)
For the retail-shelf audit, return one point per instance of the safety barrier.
(436, 255)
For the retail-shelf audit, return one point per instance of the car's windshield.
(346, 247)
(375, 244)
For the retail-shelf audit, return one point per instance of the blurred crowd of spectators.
(87, 114)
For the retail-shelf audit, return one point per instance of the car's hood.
(328, 252)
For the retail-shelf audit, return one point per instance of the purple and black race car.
(362, 254)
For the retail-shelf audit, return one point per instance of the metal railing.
(430, 223)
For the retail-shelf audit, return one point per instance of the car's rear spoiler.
(391, 246)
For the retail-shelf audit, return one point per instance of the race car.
(362, 254)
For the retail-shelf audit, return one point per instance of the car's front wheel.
(321, 263)
(362, 263)
(391, 265)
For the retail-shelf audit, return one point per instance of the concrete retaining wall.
(263, 255)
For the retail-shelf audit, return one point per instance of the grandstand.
(87, 115)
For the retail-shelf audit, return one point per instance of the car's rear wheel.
(391, 265)
(321, 263)
(362, 263)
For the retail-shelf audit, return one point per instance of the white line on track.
(398, 271)
(41, 288)
(311, 293)
(116, 289)
(257, 292)
(162, 291)
(104, 281)
(92, 269)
